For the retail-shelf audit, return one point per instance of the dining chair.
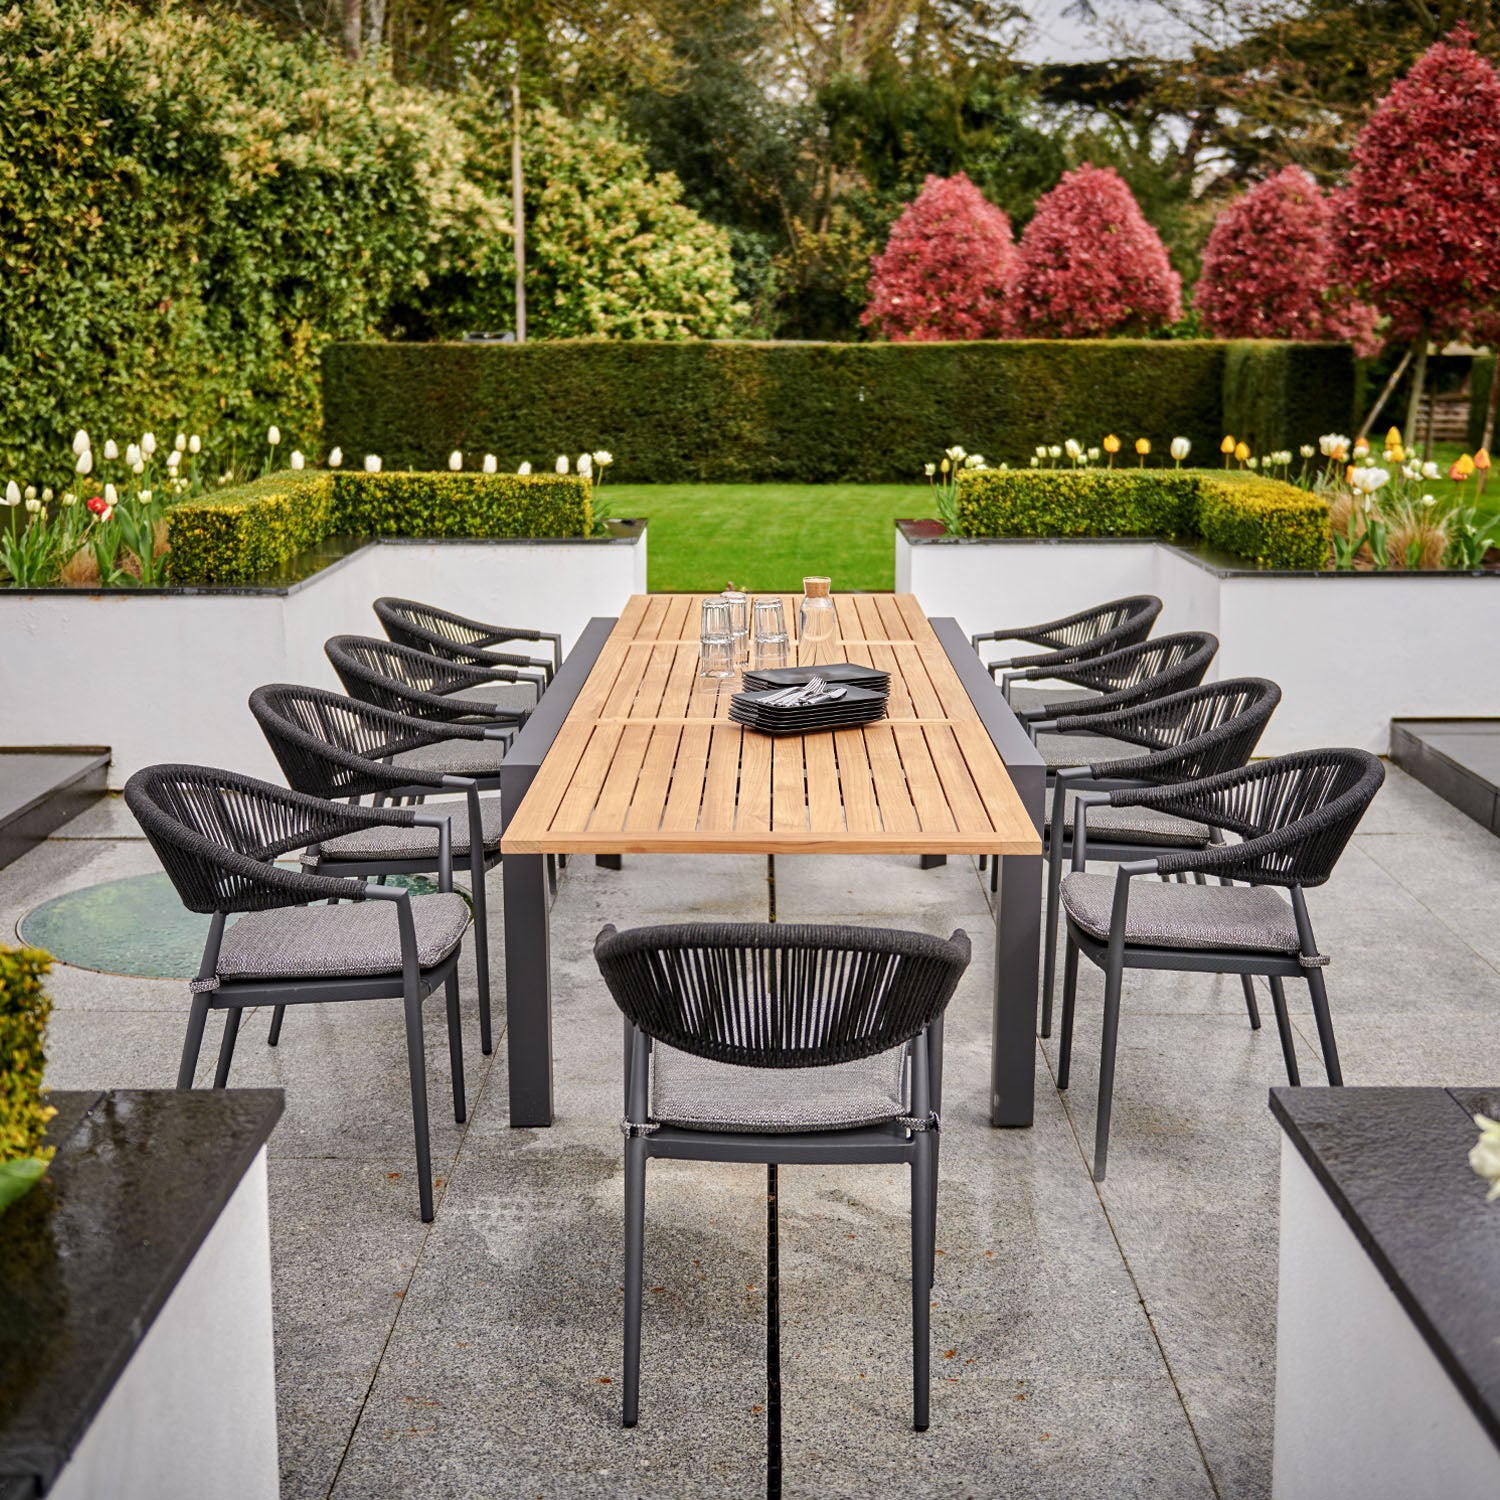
(1091, 632)
(219, 836)
(1186, 736)
(439, 632)
(335, 747)
(777, 1043)
(1294, 816)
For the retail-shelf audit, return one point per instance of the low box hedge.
(741, 412)
(1266, 521)
(24, 1008)
(244, 533)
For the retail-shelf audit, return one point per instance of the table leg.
(933, 861)
(1018, 940)
(528, 990)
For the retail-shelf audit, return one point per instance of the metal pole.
(518, 208)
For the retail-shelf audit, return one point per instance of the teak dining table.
(627, 753)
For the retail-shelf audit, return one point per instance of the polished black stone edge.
(1394, 1163)
(1465, 787)
(73, 791)
(242, 1119)
(1220, 564)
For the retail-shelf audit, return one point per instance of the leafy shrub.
(239, 535)
(24, 1008)
(1090, 265)
(1266, 521)
(944, 269)
(735, 412)
(1280, 394)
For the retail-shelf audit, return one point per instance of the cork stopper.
(816, 588)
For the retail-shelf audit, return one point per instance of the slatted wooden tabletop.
(648, 762)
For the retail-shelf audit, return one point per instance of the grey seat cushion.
(519, 695)
(703, 1095)
(457, 757)
(1236, 917)
(412, 843)
(1022, 696)
(325, 942)
(1059, 750)
(1135, 825)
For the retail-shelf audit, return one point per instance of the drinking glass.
(817, 624)
(772, 649)
(739, 624)
(715, 643)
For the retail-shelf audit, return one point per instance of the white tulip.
(562, 463)
(1252, 463)
(1484, 1157)
(144, 497)
(111, 496)
(955, 453)
(110, 451)
(973, 460)
(1307, 450)
(132, 454)
(173, 459)
(1093, 457)
(273, 435)
(47, 493)
(180, 443)
(1430, 470)
(1036, 463)
(137, 468)
(603, 458)
(372, 463)
(1368, 480)
(585, 465)
(524, 467)
(195, 444)
(455, 460)
(1073, 448)
(297, 459)
(1054, 451)
(929, 470)
(80, 443)
(85, 464)
(12, 493)
(148, 443)
(33, 506)
(491, 464)
(69, 498)
(335, 458)
(31, 492)
(1041, 451)
(1180, 448)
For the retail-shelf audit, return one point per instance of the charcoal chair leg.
(1049, 932)
(635, 1236)
(922, 1249)
(1070, 996)
(1284, 1029)
(456, 1050)
(481, 944)
(416, 1060)
(1252, 1006)
(274, 1035)
(932, 1197)
(1113, 975)
(226, 1046)
(1325, 1027)
(192, 1043)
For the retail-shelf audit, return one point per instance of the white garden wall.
(164, 677)
(1351, 651)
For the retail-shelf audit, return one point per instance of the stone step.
(42, 788)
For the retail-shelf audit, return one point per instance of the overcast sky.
(1057, 37)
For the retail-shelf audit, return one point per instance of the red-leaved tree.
(1419, 221)
(1268, 268)
(1090, 265)
(944, 269)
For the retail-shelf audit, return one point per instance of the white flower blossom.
(586, 465)
(1307, 450)
(180, 443)
(1180, 448)
(111, 496)
(562, 463)
(31, 492)
(69, 498)
(173, 459)
(148, 443)
(523, 467)
(144, 497)
(12, 493)
(47, 493)
(1484, 1156)
(603, 458)
(1073, 448)
(85, 464)
(1368, 480)
(492, 464)
(1054, 451)
(1041, 451)
(929, 470)
(956, 453)
(455, 460)
(335, 458)
(110, 451)
(137, 468)
(132, 454)
(372, 463)
(273, 435)
(195, 444)
(1430, 470)
(297, 459)
(80, 443)
(33, 506)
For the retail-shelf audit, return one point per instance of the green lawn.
(768, 536)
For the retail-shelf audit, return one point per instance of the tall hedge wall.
(1282, 395)
(739, 411)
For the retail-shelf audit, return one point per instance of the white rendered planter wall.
(165, 676)
(1350, 651)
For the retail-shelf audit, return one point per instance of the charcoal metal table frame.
(527, 893)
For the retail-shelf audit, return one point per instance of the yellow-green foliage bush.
(1266, 521)
(242, 534)
(24, 1008)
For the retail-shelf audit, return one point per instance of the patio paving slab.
(1113, 1340)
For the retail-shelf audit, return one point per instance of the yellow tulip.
(1465, 466)
(1143, 446)
(1482, 459)
(1393, 438)
(1111, 444)
(1242, 451)
(1227, 446)
(1396, 453)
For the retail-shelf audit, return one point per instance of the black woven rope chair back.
(425, 627)
(331, 746)
(780, 995)
(1174, 656)
(1295, 813)
(1104, 627)
(1192, 734)
(375, 671)
(218, 834)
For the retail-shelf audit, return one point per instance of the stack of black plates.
(838, 673)
(854, 706)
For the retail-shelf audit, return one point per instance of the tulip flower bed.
(1268, 521)
(242, 534)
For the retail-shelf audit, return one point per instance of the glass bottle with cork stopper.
(817, 624)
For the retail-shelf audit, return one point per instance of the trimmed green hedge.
(739, 412)
(1479, 395)
(244, 533)
(1266, 521)
(24, 1008)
